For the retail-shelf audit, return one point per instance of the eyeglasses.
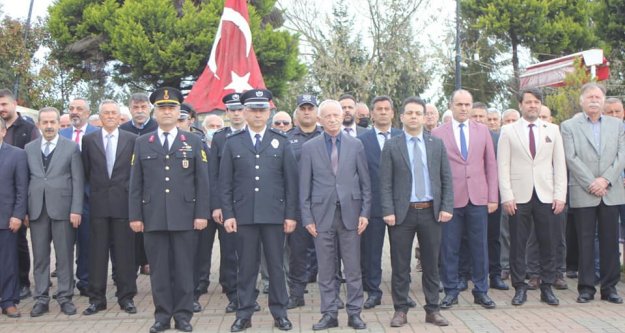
(282, 122)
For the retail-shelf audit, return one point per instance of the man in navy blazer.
(372, 239)
(13, 196)
(79, 112)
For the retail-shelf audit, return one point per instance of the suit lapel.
(542, 137)
(178, 143)
(247, 140)
(603, 135)
(586, 128)
(403, 149)
(100, 144)
(267, 138)
(372, 136)
(343, 153)
(155, 143)
(58, 150)
(472, 137)
(428, 150)
(449, 132)
(519, 129)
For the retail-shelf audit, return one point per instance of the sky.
(19, 8)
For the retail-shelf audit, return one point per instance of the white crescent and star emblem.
(239, 82)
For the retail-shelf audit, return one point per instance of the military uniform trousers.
(171, 255)
(250, 237)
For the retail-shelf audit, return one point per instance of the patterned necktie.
(532, 141)
(166, 141)
(417, 169)
(334, 156)
(348, 130)
(110, 157)
(463, 143)
(257, 143)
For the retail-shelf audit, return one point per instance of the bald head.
(545, 114)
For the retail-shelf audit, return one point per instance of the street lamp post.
(458, 55)
(16, 86)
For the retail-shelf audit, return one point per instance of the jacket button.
(166, 190)
(256, 189)
(166, 157)
(257, 167)
(166, 179)
(167, 167)
(257, 178)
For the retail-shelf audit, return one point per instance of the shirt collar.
(83, 129)
(456, 123)
(115, 133)
(538, 122)
(409, 137)
(253, 134)
(172, 134)
(590, 121)
(53, 141)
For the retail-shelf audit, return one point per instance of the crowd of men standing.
(527, 200)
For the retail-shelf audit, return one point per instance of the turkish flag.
(232, 65)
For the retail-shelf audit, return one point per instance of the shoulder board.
(278, 132)
(223, 129)
(236, 133)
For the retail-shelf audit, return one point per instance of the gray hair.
(49, 109)
(109, 101)
(509, 111)
(327, 103)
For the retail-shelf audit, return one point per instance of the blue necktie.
(463, 143)
(257, 143)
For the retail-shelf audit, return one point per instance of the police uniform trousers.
(114, 234)
(299, 242)
(171, 255)
(249, 239)
(227, 263)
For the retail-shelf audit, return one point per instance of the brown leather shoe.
(12, 312)
(399, 319)
(560, 283)
(436, 318)
(533, 283)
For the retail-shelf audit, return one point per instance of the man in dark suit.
(227, 241)
(13, 203)
(140, 123)
(56, 193)
(594, 147)
(300, 241)
(79, 112)
(106, 156)
(168, 201)
(259, 202)
(19, 133)
(474, 168)
(335, 199)
(372, 239)
(416, 194)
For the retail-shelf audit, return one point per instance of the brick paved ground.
(534, 316)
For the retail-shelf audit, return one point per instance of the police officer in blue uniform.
(168, 201)
(259, 184)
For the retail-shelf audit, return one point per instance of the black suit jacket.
(372, 151)
(14, 179)
(109, 196)
(396, 177)
(164, 194)
(258, 188)
(217, 147)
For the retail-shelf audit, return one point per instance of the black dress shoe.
(266, 289)
(256, 307)
(240, 324)
(411, 303)
(93, 309)
(295, 302)
(53, 274)
(355, 322)
(25, 292)
(484, 300)
(497, 283)
(202, 288)
(197, 307)
(325, 322)
(463, 284)
(129, 307)
(232, 306)
(612, 298)
(571, 274)
(83, 291)
(283, 324)
(68, 308)
(371, 302)
(585, 298)
(520, 295)
(547, 296)
(39, 309)
(183, 326)
(448, 301)
(159, 327)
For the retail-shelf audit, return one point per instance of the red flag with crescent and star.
(232, 65)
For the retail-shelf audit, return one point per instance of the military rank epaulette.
(278, 132)
(236, 133)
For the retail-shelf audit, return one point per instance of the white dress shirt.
(53, 143)
(114, 140)
(456, 127)
(170, 138)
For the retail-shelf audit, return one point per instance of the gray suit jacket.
(320, 189)
(61, 186)
(585, 162)
(396, 177)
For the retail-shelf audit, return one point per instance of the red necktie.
(532, 141)
(77, 139)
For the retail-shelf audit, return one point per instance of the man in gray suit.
(335, 201)
(416, 194)
(594, 147)
(55, 205)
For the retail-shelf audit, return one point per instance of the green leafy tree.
(610, 22)
(564, 101)
(147, 43)
(549, 28)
